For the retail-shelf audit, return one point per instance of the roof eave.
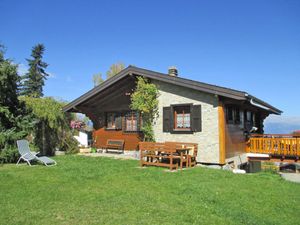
(272, 109)
(199, 86)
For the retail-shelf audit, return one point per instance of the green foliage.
(46, 109)
(21, 127)
(114, 69)
(93, 150)
(97, 79)
(9, 154)
(69, 144)
(52, 129)
(34, 80)
(15, 122)
(144, 99)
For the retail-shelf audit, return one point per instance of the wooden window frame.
(183, 130)
(113, 121)
(115, 114)
(175, 128)
(229, 112)
(233, 111)
(138, 122)
(237, 116)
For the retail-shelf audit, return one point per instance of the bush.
(93, 150)
(9, 155)
(69, 144)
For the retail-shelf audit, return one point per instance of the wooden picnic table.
(164, 154)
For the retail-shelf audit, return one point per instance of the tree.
(114, 69)
(52, 129)
(97, 79)
(14, 119)
(34, 80)
(144, 100)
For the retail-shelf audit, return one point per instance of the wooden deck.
(277, 146)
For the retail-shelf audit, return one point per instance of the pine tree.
(34, 80)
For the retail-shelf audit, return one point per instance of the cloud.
(51, 75)
(23, 69)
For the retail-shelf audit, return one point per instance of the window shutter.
(196, 118)
(167, 119)
(119, 122)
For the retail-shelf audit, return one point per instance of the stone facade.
(208, 138)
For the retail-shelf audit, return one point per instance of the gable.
(207, 88)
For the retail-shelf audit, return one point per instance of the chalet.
(217, 118)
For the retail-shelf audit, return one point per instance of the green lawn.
(83, 190)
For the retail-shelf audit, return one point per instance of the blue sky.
(246, 45)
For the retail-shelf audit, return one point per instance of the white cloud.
(23, 69)
(51, 75)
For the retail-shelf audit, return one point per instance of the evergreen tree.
(14, 120)
(9, 81)
(34, 80)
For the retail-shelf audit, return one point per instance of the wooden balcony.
(278, 146)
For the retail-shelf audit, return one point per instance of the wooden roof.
(200, 86)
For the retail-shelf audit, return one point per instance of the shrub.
(9, 155)
(93, 150)
(69, 144)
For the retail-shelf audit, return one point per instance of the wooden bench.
(114, 144)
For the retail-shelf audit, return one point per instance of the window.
(237, 116)
(179, 119)
(182, 117)
(233, 115)
(249, 117)
(113, 121)
(229, 114)
(131, 121)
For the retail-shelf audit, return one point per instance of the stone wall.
(208, 138)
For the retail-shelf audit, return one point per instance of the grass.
(83, 190)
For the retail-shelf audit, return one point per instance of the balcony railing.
(275, 145)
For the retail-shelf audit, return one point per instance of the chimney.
(173, 71)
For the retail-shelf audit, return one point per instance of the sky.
(252, 46)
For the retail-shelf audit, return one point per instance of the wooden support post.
(222, 145)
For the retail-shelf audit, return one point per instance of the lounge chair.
(27, 155)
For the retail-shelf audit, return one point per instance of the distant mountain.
(281, 124)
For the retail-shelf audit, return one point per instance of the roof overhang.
(204, 87)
